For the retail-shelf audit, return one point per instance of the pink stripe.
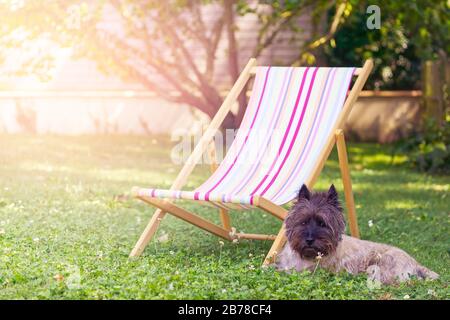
(273, 122)
(153, 193)
(316, 127)
(309, 149)
(196, 196)
(246, 138)
(286, 132)
(295, 134)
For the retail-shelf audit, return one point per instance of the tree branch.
(182, 95)
(214, 40)
(264, 41)
(324, 39)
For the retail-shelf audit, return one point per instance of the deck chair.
(293, 119)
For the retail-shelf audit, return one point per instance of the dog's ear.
(332, 196)
(304, 193)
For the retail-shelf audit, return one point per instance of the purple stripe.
(286, 132)
(246, 138)
(295, 133)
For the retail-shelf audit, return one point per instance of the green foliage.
(411, 32)
(63, 234)
(429, 149)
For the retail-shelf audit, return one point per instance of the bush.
(428, 150)
(411, 32)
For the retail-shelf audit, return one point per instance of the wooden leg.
(270, 207)
(188, 217)
(276, 248)
(225, 218)
(280, 213)
(254, 236)
(346, 180)
(148, 233)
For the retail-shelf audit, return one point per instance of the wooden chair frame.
(166, 206)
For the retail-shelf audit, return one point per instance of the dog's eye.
(303, 223)
(321, 224)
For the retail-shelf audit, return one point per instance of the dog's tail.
(425, 273)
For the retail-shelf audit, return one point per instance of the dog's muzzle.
(309, 252)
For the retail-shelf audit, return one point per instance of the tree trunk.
(242, 106)
(433, 74)
(229, 122)
(233, 58)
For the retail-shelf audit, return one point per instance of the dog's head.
(315, 224)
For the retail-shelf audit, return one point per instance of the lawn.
(66, 231)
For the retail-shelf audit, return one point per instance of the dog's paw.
(374, 273)
(425, 273)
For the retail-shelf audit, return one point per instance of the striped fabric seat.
(290, 116)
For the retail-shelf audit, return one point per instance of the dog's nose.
(309, 241)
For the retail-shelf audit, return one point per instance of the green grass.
(61, 226)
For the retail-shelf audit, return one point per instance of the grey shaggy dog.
(315, 232)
